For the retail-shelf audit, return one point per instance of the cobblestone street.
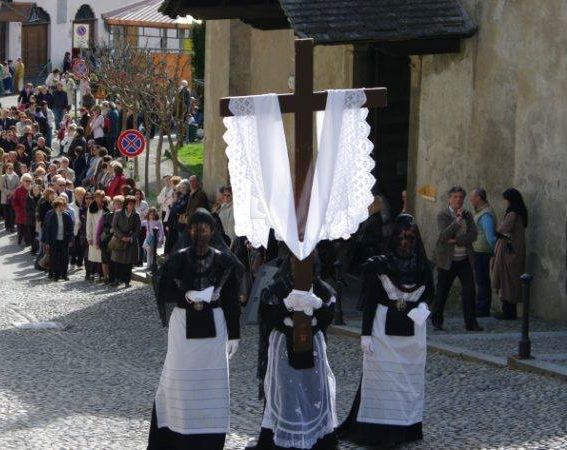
(90, 385)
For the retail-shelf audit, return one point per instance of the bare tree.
(146, 85)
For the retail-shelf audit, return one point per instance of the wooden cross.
(304, 102)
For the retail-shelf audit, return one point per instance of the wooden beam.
(375, 97)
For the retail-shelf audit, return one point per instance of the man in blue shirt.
(485, 221)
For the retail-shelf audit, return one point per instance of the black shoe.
(126, 285)
(114, 283)
(475, 327)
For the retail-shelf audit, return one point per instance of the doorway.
(34, 48)
(35, 44)
(375, 67)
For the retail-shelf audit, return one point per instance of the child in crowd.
(152, 221)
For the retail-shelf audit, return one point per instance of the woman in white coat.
(94, 257)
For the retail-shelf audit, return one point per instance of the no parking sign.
(131, 143)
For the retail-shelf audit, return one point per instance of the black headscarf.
(517, 204)
(410, 268)
(201, 215)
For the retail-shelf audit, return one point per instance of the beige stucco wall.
(256, 62)
(494, 115)
(217, 69)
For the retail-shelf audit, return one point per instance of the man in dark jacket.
(197, 197)
(44, 96)
(80, 165)
(60, 104)
(78, 141)
(114, 128)
(454, 258)
(58, 236)
(25, 93)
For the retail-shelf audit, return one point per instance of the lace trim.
(396, 294)
(352, 179)
(351, 192)
(243, 165)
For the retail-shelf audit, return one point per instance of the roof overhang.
(15, 12)
(418, 22)
(145, 14)
(146, 24)
(261, 14)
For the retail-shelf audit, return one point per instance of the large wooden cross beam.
(303, 103)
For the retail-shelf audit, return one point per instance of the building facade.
(475, 106)
(43, 31)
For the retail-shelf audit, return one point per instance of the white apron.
(300, 404)
(393, 377)
(193, 393)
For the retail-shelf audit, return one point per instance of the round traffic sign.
(81, 30)
(80, 68)
(131, 143)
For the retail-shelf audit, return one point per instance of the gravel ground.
(90, 385)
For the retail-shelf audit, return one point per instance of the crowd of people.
(11, 76)
(483, 254)
(100, 221)
(57, 162)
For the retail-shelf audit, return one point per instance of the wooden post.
(303, 162)
(303, 102)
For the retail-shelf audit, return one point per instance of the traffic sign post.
(131, 143)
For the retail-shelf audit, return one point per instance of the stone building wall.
(494, 115)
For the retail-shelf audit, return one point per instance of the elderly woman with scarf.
(126, 226)
(397, 286)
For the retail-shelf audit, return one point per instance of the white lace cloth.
(397, 294)
(299, 417)
(260, 171)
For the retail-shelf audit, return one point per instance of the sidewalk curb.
(539, 367)
(141, 278)
(465, 354)
(531, 365)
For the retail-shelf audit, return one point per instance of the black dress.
(273, 313)
(184, 271)
(385, 276)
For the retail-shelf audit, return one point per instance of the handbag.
(116, 245)
(44, 261)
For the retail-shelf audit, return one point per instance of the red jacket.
(115, 186)
(19, 205)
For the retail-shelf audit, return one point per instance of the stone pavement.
(90, 384)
